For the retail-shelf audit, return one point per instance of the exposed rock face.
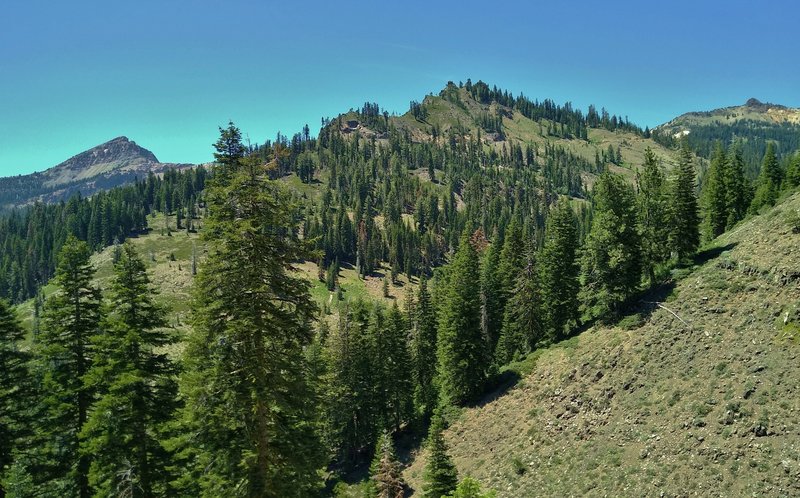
(105, 166)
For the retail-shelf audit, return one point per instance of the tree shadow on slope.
(634, 313)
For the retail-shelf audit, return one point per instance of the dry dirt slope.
(707, 408)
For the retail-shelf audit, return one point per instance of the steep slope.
(694, 396)
(113, 163)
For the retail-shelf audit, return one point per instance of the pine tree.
(15, 388)
(522, 326)
(653, 218)
(63, 356)
(683, 211)
(461, 348)
(793, 172)
(492, 298)
(715, 194)
(248, 420)
(611, 265)
(439, 477)
(136, 389)
(737, 191)
(386, 471)
(397, 368)
(423, 351)
(559, 272)
(349, 398)
(769, 181)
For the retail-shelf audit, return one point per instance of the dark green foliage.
(134, 382)
(684, 219)
(64, 355)
(715, 196)
(768, 185)
(15, 388)
(611, 265)
(793, 172)
(492, 296)
(248, 421)
(522, 323)
(439, 477)
(423, 351)
(462, 351)
(392, 367)
(559, 272)
(350, 411)
(653, 216)
(31, 238)
(737, 188)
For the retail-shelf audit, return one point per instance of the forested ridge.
(511, 246)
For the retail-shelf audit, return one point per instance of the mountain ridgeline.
(116, 162)
(361, 291)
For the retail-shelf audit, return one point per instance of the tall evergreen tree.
(715, 195)
(522, 324)
(737, 191)
(611, 265)
(423, 351)
(386, 471)
(461, 348)
(653, 217)
(248, 418)
(769, 181)
(683, 211)
(15, 387)
(559, 271)
(439, 477)
(492, 298)
(63, 357)
(135, 382)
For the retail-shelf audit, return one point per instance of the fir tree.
(653, 219)
(769, 181)
(397, 368)
(423, 351)
(63, 357)
(522, 326)
(136, 389)
(611, 265)
(737, 191)
(386, 471)
(461, 348)
(439, 477)
(15, 388)
(492, 298)
(248, 420)
(559, 272)
(683, 211)
(715, 195)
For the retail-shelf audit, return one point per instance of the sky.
(167, 73)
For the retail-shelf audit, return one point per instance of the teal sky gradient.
(167, 73)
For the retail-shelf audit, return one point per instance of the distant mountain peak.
(118, 151)
(753, 102)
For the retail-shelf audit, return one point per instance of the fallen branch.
(661, 305)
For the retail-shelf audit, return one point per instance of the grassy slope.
(520, 129)
(707, 408)
(174, 278)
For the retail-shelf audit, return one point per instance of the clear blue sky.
(166, 73)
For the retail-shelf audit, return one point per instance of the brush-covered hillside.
(693, 395)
